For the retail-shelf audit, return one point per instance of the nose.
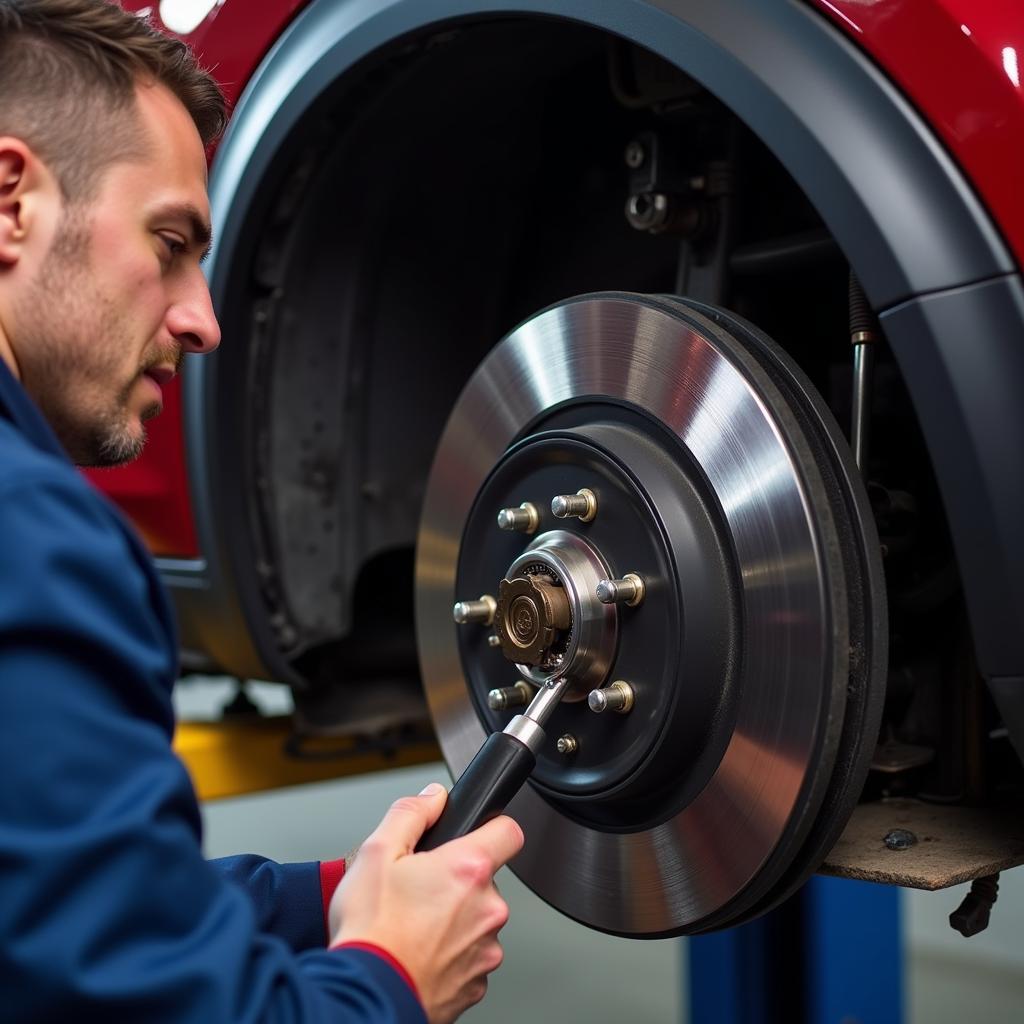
(190, 318)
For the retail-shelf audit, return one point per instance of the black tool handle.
(484, 789)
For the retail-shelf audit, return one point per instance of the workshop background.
(585, 975)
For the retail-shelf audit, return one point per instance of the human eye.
(173, 245)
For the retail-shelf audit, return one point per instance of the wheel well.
(441, 191)
(413, 223)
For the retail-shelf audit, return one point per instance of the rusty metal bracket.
(950, 844)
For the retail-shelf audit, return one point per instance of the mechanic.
(107, 908)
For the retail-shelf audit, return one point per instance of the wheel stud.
(524, 519)
(582, 505)
(629, 590)
(481, 611)
(567, 744)
(617, 697)
(509, 697)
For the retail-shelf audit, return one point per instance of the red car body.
(956, 60)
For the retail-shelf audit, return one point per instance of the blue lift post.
(832, 954)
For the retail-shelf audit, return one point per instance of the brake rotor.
(713, 577)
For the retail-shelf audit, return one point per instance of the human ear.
(25, 192)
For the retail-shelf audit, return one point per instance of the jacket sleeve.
(107, 909)
(290, 900)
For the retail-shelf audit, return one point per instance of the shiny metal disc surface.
(713, 856)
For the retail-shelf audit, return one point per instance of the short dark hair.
(68, 71)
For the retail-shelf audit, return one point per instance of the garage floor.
(585, 976)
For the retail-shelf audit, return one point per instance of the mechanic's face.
(120, 297)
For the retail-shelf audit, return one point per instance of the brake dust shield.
(754, 662)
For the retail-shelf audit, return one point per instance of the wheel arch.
(907, 220)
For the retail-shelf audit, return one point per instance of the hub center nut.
(548, 620)
(533, 612)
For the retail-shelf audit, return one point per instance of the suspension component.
(665, 195)
(864, 332)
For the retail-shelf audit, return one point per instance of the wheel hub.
(549, 621)
(650, 502)
(646, 521)
(534, 620)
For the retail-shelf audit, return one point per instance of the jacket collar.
(16, 406)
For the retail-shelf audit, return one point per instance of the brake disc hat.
(728, 806)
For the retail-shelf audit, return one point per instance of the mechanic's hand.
(438, 913)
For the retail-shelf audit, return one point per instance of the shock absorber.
(864, 332)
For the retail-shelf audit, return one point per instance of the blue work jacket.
(108, 910)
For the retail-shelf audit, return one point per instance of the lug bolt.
(629, 590)
(582, 505)
(617, 697)
(524, 519)
(567, 744)
(481, 611)
(494, 640)
(509, 697)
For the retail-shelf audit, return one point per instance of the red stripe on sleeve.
(331, 873)
(370, 947)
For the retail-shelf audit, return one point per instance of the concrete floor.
(557, 972)
(978, 980)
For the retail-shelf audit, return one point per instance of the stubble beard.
(69, 356)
